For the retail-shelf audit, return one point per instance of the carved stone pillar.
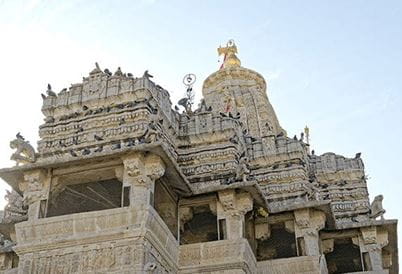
(35, 188)
(140, 173)
(308, 223)
(371, 246)
(232, 207)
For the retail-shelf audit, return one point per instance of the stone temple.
(122, 181)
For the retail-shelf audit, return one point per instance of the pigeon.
(86, 151)
(209, 108)
(129, 74)
(147, 75)
(281, 134)
(107, 71)
(227, 181)
(49, 91)
(43, 96)
(99, 149)
(313, 152)
(62, 144)
(130, 142)
(183, 102)
(295, 138)
(98, 138)
(75, 140)
(116, 146)
(19, 136)
(357, 156)
(99, 110)
(73, 153)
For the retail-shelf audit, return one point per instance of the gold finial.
(307, 134)
(229, 52)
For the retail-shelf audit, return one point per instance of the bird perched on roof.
(98, 138)
(147, 75)
(357, 156)
(19, 136)
(116, 146)
(49, 91)
(108, 72)
(99, 149)
(129, 74)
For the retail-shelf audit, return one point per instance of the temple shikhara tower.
(124, 181)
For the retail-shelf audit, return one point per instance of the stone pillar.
(232, 207)
(371, 244)
(140, 173)
(308, 223)
(35, 188)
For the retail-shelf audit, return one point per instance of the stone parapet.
(108, 240)
(295, 265)
(233, 256)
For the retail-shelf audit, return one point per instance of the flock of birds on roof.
(146, 74)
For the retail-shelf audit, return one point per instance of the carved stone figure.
(242, 170)
(24, 153)
(376, 208)
(14, 211)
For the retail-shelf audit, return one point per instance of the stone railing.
(229, 255)
(90, 227)
(294, 265)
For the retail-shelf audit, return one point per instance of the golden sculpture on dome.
(229, 52)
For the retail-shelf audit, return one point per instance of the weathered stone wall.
(298, 265)
(123, 240)
(225, 256)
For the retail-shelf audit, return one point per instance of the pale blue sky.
(333, 65)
